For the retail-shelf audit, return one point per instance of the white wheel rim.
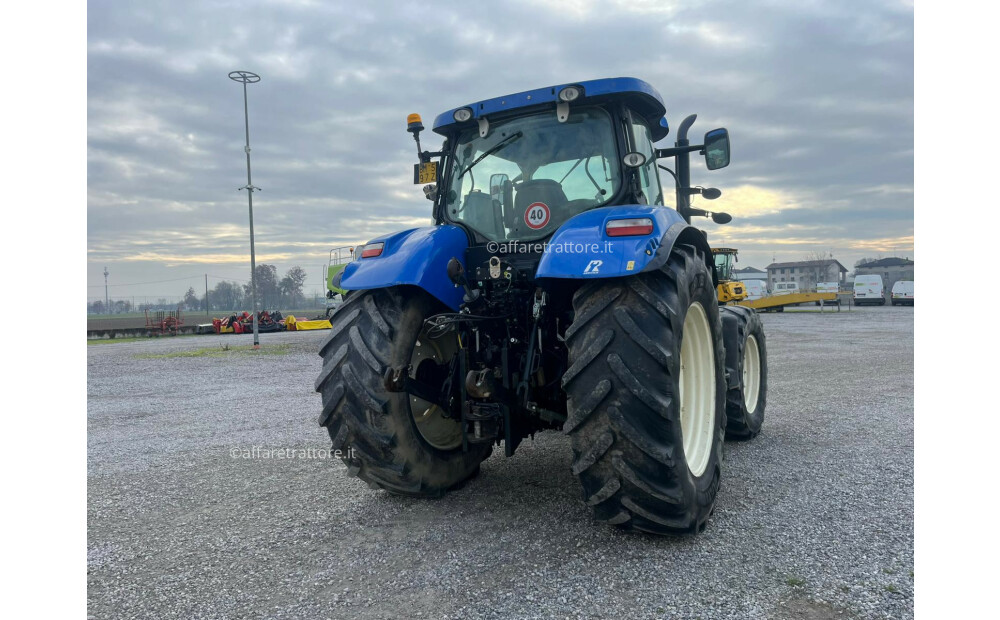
(697, 389)
(751, 374)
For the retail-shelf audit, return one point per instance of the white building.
(806, 273)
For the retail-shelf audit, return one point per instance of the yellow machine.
(729, 290)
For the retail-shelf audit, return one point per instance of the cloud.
(747, 201)
(818, 97)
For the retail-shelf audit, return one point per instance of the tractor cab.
(725, 262)
(515, 168)
(533, 172)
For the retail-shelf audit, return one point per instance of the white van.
(755, 289)
(829, 287)
(902, 293)
(786, 288)
(868, 290)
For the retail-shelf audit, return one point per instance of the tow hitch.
(399, 380)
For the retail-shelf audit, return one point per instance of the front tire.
(414, 453)
(746, 364)
(646, 388)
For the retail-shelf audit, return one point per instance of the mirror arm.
(416, 138)
(426, 155)
(677, 150)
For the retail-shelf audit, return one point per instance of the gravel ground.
(814, 518)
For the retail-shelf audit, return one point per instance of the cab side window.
(642, 142)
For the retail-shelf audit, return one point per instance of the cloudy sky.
(818, 98)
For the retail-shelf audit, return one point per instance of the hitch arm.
(399, 380)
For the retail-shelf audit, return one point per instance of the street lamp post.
(247, 77)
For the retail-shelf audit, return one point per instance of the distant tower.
(248, 77)
(107, 307)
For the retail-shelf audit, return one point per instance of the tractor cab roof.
(637, 94)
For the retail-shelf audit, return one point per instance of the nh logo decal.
(593, 266)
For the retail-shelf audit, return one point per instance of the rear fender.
(417, 257)
(581, 249)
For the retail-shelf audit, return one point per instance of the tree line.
(273, 293)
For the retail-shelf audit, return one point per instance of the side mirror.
(497, 182)
(716, 149)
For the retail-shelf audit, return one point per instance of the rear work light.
(629, 228)
(372, 250)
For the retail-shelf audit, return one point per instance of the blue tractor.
(554, 291)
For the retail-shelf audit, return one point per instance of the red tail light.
(629, 228)
(372, 249)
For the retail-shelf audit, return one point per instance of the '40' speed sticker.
(537, 215)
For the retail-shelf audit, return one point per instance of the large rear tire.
(415, 453)
(646, 388)
(746, 364)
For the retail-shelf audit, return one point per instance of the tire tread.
(623, 414)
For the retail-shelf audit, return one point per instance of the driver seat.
(546, 191)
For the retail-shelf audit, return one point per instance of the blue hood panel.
(581, 249)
